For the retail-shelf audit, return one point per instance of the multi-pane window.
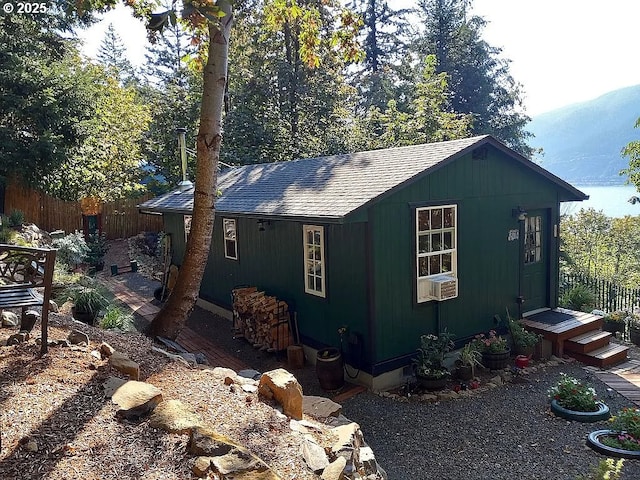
(187, 227)
(314, 271)
(532, 239)
(230, 240)
(436, 240)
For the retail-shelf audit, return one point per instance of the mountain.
(582, 142)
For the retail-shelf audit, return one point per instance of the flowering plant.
(572, 394)
(432, 352)
(627, 425)
(490, 344)
(618, 316)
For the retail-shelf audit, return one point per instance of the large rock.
(111, 385)
(285, 389)
(335, 470)
(206, 442)
(136, 399)
(348, 436)
(106, 350)
(314, 456)
(124, 364)
(174, 416)
(320, 407)
(9, 319)
(239, 463)
(76, 337)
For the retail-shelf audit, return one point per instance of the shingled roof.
(330, 187)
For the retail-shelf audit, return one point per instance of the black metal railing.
(608, 296)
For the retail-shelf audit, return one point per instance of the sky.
(561, 51)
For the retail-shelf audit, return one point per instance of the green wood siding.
(272, 260)
(486, 191)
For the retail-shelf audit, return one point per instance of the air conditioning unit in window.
(442, 287)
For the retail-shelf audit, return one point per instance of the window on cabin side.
(314, 265)
(532, 239)
(436, 245)
(230, 241)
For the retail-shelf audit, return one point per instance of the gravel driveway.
(505, 433)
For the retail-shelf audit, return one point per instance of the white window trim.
(226, 239)
(187, 226)
(323, 275)
(423, 281)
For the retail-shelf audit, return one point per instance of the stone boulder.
(174, 416)
(320, 408)
(9, 319)
(125, 365)
(136, 399)
(314, 456)
(76, 337)
(285, 389)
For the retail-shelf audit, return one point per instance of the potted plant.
(468, 358)
(429, 369)
(524, 341)
(574, 400)
(623, 439)
(87, 302)
(98, 248)
(634, 328)
(615, 322)
(494, 349)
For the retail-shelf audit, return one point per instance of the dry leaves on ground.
(56, 423)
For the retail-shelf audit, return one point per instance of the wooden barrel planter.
(431, 383)
(634, 335)
(594, 441)
(329, 369)
(613, 327)
(496, 361)
(585, 417)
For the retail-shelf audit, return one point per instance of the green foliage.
(116, 318)
(87, 297)
(521, 337)
(431, 354)
(627, 420)
(113, 55)
(72, 248)
(16, 218)
(470, 355)
(572, 394)
(599, 246)
(491, 343)
(632, 150)
(63, 275)
(98, 247)
(579, 298)
(608, 469)
(7, 235)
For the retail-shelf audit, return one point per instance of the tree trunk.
(172, 317)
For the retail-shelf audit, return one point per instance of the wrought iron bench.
(23, 270)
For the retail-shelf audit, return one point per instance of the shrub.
(492, 343)
(572, 394)
(115, 317)
(98, 248)
(16, 218)
(72, 248)
(7, 235)
(579, 298)
(147, 243)
(608, 469)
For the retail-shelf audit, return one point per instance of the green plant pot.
(585, 417)
(84, 317)
(594, 441)
(496, 361)
(613, 327)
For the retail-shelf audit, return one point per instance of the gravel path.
(505, 433)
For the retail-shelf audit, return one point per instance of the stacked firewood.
(262, 319)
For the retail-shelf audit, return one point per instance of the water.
(613, 200)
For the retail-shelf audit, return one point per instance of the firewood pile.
(261, 319)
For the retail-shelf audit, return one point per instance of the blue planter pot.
(586, 417)
(593, 441)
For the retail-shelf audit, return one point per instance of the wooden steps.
(577, 334)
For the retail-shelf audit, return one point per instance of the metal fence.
(609, 296)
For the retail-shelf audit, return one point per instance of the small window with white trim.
(230, 240)
(314, 271)
(436, 249)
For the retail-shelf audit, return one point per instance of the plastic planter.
(593, 441)
(585, 417)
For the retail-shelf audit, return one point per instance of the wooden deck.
(560, 324)
(624, 379)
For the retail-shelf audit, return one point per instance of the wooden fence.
(609, 297)
(120, 219)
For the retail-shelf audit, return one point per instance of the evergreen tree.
(113, 55)
(480, 81)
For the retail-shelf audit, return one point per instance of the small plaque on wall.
(513, 235)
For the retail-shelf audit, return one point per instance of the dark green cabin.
(390, 243)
